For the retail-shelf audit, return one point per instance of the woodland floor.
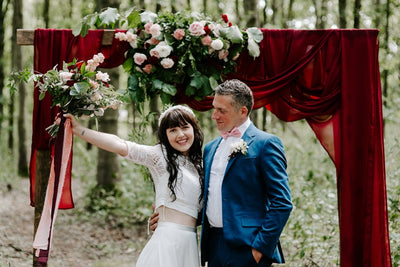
(76, 242)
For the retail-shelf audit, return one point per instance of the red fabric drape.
(51, 48)
(331, 78)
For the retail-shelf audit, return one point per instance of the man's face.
(225, 115)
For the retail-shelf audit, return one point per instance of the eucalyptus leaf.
(232, 33)
(109, 16)
(255, 34)
(254, 49)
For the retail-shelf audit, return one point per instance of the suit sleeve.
(275, 178)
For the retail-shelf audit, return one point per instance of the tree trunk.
(250, 10)
(2, 40)
(356, 13)
(154, 108)
(342, 14)
(108, 166)
(46, 8)
(17, 65)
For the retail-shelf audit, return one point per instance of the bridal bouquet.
(77, 89)
(187, 51)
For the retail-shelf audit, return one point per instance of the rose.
(163, 49)
(148, 68)
(222, 54)
(139, 58)
(155, 30)
(206, 40)
(225, 18)
(179, 34)
(65, 76)
(217, 44)
(196, 29)
(167, 63)
(147, 27)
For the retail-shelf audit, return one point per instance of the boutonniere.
(238, 147)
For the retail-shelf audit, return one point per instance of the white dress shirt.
(217, 172)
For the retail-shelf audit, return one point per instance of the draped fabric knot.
(235, 132)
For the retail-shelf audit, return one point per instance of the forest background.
(113, 197)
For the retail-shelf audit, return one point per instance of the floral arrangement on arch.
(77, 89)
(188, 51)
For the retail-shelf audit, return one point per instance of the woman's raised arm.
(109, 142)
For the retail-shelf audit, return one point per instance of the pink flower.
(196, 29)
(155, 30)
(104, 77)
(154, 41)
(154, 53)
(179, 34)
(206, 40)
(223, 54)
(139, 58)
(120, 36)
(94, 84)
(167, 63)
(148, 68)
(147, 27)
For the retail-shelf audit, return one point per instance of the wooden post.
(43, 157)
(43, 163)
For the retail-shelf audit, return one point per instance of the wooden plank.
(26, 37)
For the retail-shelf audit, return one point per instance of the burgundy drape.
(331, 78)
(51, 48)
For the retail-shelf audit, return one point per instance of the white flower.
(238, 147)
(102, 76)
(99, 112)
(155, 30)
(167, 63)
(65, 75)
(163, 49)
(217, 44)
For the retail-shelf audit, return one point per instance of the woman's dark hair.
(178, 117)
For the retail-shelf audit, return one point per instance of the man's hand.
(257, 255)
(153, 220)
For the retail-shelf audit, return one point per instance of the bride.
(175, 164)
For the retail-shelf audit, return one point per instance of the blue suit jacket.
(256, 200)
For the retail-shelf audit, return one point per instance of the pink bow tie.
(235, 132)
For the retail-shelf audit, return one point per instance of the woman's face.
(181, 138)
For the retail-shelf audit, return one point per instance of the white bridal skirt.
(172, 245)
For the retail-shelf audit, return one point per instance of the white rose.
(167, 63)
(99, 112)
(217, 44)
(163, 49)
(155, 30)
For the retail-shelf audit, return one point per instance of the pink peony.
(179, 34)
(196, 29)
(139, 58)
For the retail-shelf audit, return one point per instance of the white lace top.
(187, 189)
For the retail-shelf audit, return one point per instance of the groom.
(247, 198)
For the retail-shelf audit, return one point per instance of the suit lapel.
(248, 137)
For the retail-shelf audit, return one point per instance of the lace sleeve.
(149, 156)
